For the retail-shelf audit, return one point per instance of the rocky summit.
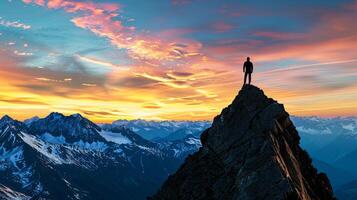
(251, 151)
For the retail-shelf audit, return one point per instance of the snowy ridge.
(77, 153)
(48, 151)
(325, 126)
(115, 137)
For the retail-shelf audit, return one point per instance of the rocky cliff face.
(251, 151)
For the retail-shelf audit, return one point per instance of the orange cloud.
(99, 19)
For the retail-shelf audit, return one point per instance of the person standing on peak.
(248, 69)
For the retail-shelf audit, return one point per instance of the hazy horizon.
(162, 120)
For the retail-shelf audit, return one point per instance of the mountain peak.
(73, 128)
(77, 116)
(55, 115)
(6, 118)
(251, 151)
(250, 106)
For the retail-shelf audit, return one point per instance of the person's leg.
(245, 78)
(250, 77)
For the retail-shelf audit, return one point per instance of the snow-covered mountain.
(60, 157)
(168, 130)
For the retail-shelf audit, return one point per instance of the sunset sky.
(174, 59)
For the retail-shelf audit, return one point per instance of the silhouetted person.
(248, 69)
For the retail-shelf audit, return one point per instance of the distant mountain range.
(59, 156)
(164, 130)
(69, 157)
(332, 143)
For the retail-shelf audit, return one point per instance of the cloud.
(24, 101)
(100, 62)
(52, 80)
(136, 82)
(37, 88)
(19, 53)
(89, 84)
(99, 113)
(288, 68)
(151, 106)
(49, 79)
(166, 81)
(101, 19)
(14, 24)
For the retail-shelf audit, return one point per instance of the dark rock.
(251, 151)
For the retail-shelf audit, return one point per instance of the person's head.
(248, 59)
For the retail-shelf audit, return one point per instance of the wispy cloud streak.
(14, 24)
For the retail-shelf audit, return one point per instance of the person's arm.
(252, 67)
(244, 67)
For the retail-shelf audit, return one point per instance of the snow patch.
(115, 137)
(42, 147)
(193, 141)
(97, 146)
(349, 127)
(53, 139)
(151, 150)
(119, 151)
(135, 129)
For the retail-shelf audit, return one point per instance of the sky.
(175, 59)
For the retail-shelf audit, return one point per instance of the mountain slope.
(336, 175)
(251, 151)
(348, 162)
(347, 191)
